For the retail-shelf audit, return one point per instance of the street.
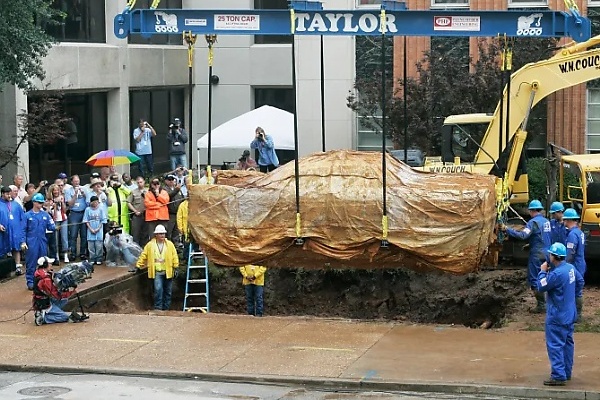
(21, 386)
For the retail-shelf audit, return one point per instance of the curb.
(322, 383)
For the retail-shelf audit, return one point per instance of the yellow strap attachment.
(293, 20)
(210, 40)
(507, 53)
(155, 4)
(298, 225)
(190, 39)
(130, 4)
(571, 5)
(384, 226)
(208, 174)
(382, 22)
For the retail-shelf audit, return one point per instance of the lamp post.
(210, 40)
(190, 39)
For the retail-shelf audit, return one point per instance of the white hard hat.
(160, 229)
(43, 260)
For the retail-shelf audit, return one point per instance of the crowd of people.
(67, 221)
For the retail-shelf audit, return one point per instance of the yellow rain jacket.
(113, 210)
(256, 271)
(147, 258)
(182, 219)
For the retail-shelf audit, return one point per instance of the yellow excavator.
(478, 143)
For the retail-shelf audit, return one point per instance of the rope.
(20, 316)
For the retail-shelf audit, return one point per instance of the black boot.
(579, 307)
(540, 299)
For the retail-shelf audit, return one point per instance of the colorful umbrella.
(108, 158)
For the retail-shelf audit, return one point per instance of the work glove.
(24, 246)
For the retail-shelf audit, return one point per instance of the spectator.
(155, 201)
(18, 182)
(254, 281)
(181, 177)
(88, 186)
(64, 178)
(128, 182)
(48, 301)
(37, 222)
(31, 190)
(175, 199)
(563, 284)
(177, 138)
(246, 162)
(204, 177)
(95, 217)
(57, 208)
(267, 159)
(105, 175)
(161, 258)
(118, 211)
(98, 190)
(13, 236)
(75, 199)
(135, 203)
(143, 147)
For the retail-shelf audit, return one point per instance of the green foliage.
(536, 173)
(24, 42)
(448, 82)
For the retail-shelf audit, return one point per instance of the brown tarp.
(436, 221)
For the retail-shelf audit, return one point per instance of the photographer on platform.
(246, 162)
(48, 301)
(177, 138)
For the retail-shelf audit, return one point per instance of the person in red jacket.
(156, 200)
(48, 301)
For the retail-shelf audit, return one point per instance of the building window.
(174, 39)
(282, 98)
(368, 3)
(159, 107)
(449, 3)
(528, 3)
(84, 21)
(271, 5)
(593, 121)
(88, 135)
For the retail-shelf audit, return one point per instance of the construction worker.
(254, 282)
(563, 285)
(161, 258)
(118, 211)
(537, 231)
(575, 244)
(37, 222)
(559, 231)
(48, 301)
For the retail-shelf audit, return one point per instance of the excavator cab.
(579, 188)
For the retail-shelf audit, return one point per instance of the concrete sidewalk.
(384, 356)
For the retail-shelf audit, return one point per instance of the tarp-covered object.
(436, 221)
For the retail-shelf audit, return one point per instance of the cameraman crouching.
(48, 301)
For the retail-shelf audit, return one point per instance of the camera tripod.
(84, 316)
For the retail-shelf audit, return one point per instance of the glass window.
(159, 107)
(449, 3)
(368, 3)
(84, 21)
(593, 121)
(282, 98)
(174, 39)
(271, 5)
(87, 135)
(527, 3)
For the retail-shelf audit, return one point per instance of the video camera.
(72, 274)
(115, 229)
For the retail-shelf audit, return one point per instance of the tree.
(24, 42)
(448, 82)
(45, 122)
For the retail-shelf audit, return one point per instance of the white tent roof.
(239, 132)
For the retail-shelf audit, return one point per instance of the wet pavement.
(311, 351)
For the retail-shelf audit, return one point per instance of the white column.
(13, 102)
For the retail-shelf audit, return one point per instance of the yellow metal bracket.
(190, 39)
(210, 40)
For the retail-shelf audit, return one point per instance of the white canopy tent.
(230, 139)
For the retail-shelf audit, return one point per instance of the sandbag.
(436, 221)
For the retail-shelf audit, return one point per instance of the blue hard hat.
(570, 213)
(38, 198)
(558, 249)
(557, 206)
(535, 205)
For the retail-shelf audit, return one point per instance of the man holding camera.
(75, 198)
(267, 159)
(177, 138)
(143, 146)
(246, 162)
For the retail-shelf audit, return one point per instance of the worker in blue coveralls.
(538, 232)
(575, 249)
(15, 231)
(559, 230)
(37, 222)
(563, 285)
